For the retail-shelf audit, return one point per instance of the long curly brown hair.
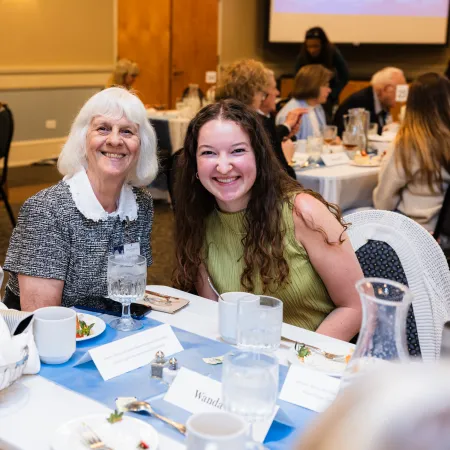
(263, 239)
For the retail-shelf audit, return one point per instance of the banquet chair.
(392, 246)
(6, 134)
(159, 186)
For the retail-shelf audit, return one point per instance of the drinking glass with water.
(259, 324)
(250, 385)
(127, 277)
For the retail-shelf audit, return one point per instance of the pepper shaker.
(158, 364)
(171, 371)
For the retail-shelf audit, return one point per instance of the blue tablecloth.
(86, 380)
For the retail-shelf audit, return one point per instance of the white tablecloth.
(33, 408)
(177, 126)
(346, 185)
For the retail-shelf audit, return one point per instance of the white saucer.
(96, 330)
(123, 435)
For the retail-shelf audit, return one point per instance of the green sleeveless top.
(306, 301)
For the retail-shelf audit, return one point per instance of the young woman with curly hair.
(241, 220)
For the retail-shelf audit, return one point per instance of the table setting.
(122, 385)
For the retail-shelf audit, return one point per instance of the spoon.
(138, 406)
(214, 289)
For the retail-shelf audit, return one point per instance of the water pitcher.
(382, 336)
(357, 122)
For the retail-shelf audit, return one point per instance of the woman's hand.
(293, 120)
(336, 264)
(37, 292)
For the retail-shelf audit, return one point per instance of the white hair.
(114, 103)
(385, 76)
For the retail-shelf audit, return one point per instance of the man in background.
(378, 98)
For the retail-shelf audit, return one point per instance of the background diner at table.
(59, 249)
(247, 226)
(414, 174)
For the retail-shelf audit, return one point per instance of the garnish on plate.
(114, 417)
(142, 444)
(83, 329)
(302, 351)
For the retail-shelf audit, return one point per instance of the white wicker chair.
(424, 266)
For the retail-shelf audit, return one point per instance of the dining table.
(347, 185)
(35, 406)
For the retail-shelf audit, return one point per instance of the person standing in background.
(124, 74)
(317, 49)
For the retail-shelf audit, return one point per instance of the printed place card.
(334, 159)
(401, 93)
(196, 393)
(132, 352)
(309, 388)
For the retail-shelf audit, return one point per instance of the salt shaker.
(158, 364)
(171, 371)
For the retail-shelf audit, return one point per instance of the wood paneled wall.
(144, 36)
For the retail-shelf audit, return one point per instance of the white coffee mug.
(55, 333)
(218, 430)
(228, 308)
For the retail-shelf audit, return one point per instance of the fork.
(328, 355)
(92, 440)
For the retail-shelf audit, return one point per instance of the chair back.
(162, 131)
(443, 223)
(6, 135)
(392, 246)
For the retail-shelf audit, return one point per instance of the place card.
(334, 159)
(309, 388)
(401, 92)
(132, 352)
(196, 393)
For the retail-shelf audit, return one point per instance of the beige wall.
(243, 32)
(56, 33)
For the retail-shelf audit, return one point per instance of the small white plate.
(123, 435)
(369, 164)
(96, 330)
(318, 362)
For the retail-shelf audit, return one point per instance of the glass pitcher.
(382, 337)
(357, 123)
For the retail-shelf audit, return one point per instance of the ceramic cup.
(218, 431)
(228, 313)
(55, 333)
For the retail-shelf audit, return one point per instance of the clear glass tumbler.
(250, 385)
(259, 324)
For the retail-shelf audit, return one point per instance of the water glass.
(250, 385)
(314, 147)
(373, 129)
(259, 324)
(127, 277)
(329, 133)
(352, 142)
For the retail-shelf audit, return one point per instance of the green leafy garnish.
(116, 416)
(302, 350)
(83, 329)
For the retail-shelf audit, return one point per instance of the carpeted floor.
(162, 236)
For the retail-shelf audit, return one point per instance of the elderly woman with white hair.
(59, 249)
(378, 98)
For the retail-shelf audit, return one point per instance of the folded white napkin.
(11, 347)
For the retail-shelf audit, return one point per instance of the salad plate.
(93, 325)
